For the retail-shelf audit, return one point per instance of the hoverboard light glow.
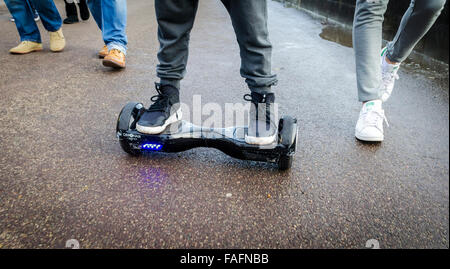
(152, 146)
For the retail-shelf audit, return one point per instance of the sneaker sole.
(159, 129)
(26, 52)
(260, 140)
(113, 64)
(369, 139)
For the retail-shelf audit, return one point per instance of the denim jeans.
(111, 18)
(249, 18)
(367, 39)
(24, 18)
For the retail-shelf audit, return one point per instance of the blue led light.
(152, 146)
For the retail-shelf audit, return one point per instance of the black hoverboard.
(183, 135)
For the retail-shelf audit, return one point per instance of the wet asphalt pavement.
(64, 176)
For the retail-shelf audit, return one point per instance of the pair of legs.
(33, 10)
(367, 33)
(23, 16)
(375, 76)
(175, 21)
(72, 13)
(249, 19)
(28, 30)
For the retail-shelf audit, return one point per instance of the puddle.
(337, 34)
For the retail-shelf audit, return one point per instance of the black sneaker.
(262, 126)
(164, 111)
(72, 14)
(71, 20)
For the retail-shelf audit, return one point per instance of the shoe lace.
(160, 101)
(57, 34)
(116, 53)
(389, 75)
(372, 117)
(25, 43)
(248, 97)
(254, 113)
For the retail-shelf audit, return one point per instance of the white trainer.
(370, 123)
(388, 76)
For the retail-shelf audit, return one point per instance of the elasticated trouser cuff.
(173, 82)
(261, 90)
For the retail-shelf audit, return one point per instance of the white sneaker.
(388, 76)
(370, 123)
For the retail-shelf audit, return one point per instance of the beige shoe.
(26, 47)
(114, 59)
(57, 41)
(103, 52)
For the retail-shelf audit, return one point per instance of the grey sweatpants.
(367, 39)
(249, 18)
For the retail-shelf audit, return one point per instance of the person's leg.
(71, 12)
(35, 13)
(23, 17)
(114, 22)
(95, 6)
(175, 21)
(367, 42)
(416, 22)
(249, 20)
(49, 14)
(52, 23)
(84, 11)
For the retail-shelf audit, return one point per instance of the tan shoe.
(26, 47)
(103, 52)
(57, 41)
(115, 59)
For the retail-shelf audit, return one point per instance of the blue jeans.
(24, 18)
(111, 18)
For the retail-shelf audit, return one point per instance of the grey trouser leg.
(175, 20)
(249, 18)
(367, 39)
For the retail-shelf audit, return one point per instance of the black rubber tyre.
(287, 130)
(126, 120)
(287, 137)
(285, 162)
